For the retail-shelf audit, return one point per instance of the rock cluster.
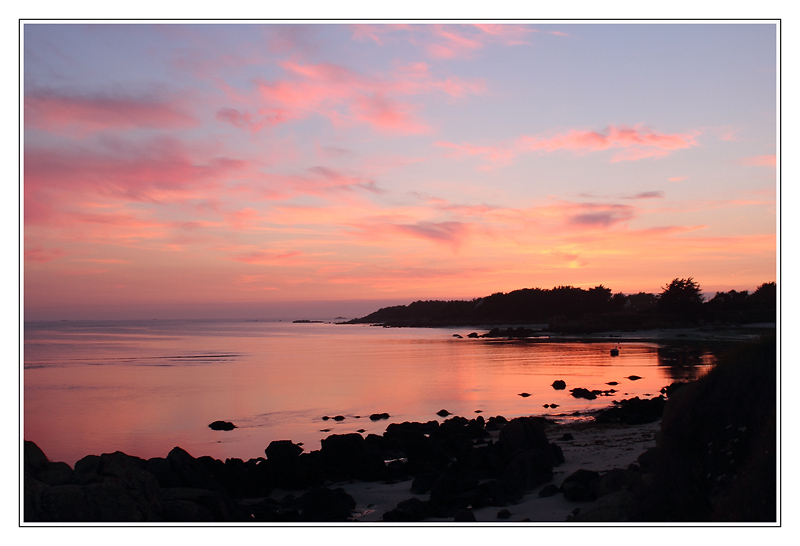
(457, 462)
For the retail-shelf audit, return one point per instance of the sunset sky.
(290, 170)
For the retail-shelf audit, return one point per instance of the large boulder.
(521, 434)
(280, 452)
(528, 457)
(578, 485)
(348, 456)
(188, 471)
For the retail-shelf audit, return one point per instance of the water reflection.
(687, 361)
(84, 395)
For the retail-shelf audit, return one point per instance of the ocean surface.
(144, 387)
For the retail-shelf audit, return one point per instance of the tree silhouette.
(681, 299)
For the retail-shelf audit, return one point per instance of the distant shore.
(538, 332)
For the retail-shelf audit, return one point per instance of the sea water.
(144, 387)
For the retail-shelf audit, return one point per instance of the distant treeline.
(570, 309)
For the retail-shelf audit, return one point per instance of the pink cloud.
(647, 195)
(448, 41)
(631, 143)
(677, 178)
(42, 255)
(387, 115)
(510, 34)
(495, 155)
(380, 34)
(91, 113)
(343, 96)
(243, 218)
(759, 161)
(158, 171)
(634, 142)
(339, 94)
(449, 232)
(249, 121)
(594, 215)
(265, 256)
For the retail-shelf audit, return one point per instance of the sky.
(297, 170)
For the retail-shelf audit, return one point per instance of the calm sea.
(143, 387)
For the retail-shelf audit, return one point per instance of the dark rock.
(280, 452)
(633, 411)
(496, 422)
(95, 502)
(502, 492)
(521, 434)
(379, 416)
(529, 469)
(324, 504)
(459, 336)
(452, 486)
(65, 503)
(524, 394)
(221, 425)
(556, 454)
(125, 471)
(614, 480)
(503, 514)
(196, 504)
(472, 335)
(464, 515)
(339, 418)
(188, 471)
(409, 510)
(34, 458)
(57, 474)
(634, 377)
(577, 486)
(614, 507)
(527, 457)
(349, 456)
(559, 385)
(549, 490)
(580, 392)
(442, 413)
(567, 437)
(648, 461)
(185, 511)
(612, 383)
(671, 388)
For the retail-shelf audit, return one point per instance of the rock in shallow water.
(221, 425)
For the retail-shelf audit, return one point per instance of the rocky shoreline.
(450, 469)
(701, 451)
